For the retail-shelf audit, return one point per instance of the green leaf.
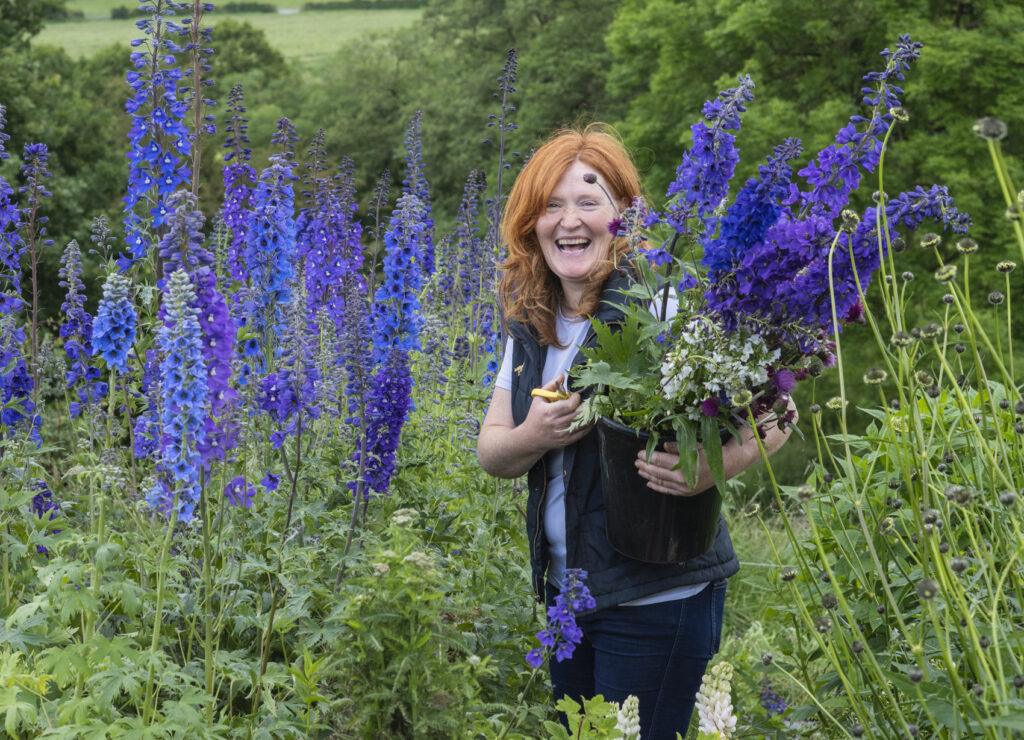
(713, 450)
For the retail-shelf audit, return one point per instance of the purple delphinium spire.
(396, 317)
(239, 180)
(388, 405)
(113, 330)
(11, 244)
(43, 506)
(184, 400)
(76, 331)
(159, 139)
(563, 634)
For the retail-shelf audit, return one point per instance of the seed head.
(945, 273)
(1018, 428)
(959, 348)
(752, 509)
(875, 376)
(899, 113)
(857, 646)
(805, 492)
(915, 674)
(958, 565)
(958, 328)
(836, 403)
(766, 659)
(742, 398)
(886, 525)
(931, 239)
(1012, 214)
(856, 729)
(1004, 403)
(966, 245)
(823, 624)
(990, 128)
(1007, 498)
(948, 298)
(931, 330)
(880, 195)
(1006, 266)
(829, 601)
(788, 573)
(927, 589)
(984, 642)
(995, 298)
(901, 339)
(978, 689)
(907, 276)
(1018, 681)
(898, 244)
(814, 408)
(923, 377)
(850, 221)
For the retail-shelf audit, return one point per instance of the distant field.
(100, 9)
(299, 36)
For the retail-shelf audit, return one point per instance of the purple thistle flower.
(159, 140)
(563, 634)
(113, 331)
(76, 331)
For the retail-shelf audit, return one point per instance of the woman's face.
(573, 229)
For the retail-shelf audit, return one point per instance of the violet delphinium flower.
(396, 317)
(147, 434)
(772, 702)
(12, 246)
(15, 381)
(76, 331)
(159, 139)
(239, 181)
(43, 506)
(239, 493)
(388, 405)
(113, 330)
(184, 398)
(563, 634)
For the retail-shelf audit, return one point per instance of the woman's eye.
(554, 206)
(589, 204)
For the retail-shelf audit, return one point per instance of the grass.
(307, 37)
(100, 9)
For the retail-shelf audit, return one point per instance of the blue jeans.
(657, 652)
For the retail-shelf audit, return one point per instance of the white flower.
(405, 516)
(628, 719)
(418, 557)
(714, 702)
(381, 569)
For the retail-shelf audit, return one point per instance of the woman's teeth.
(572, 245)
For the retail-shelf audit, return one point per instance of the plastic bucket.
(642, 523)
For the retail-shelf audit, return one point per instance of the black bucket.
(642, 523)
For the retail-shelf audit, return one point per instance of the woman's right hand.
(548, 421)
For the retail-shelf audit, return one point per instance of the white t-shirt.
(571, 333)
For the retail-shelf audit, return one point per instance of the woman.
(654, 627)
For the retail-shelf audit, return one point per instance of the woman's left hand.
(662, 478)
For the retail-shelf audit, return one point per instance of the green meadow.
(306, 36)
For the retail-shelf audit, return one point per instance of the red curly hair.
(528, 291)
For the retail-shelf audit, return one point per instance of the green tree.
(20, 20)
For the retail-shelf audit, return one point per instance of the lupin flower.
(113, 331)
(185, 402)
(76, 331)
(627, 719)
(714, 703)
(159, 139)
(563, 634)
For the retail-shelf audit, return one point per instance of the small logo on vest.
(519, 370)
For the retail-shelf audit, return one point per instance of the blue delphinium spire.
(184, 400)
(396, 318)
(270, 241)
(76, 331)
(415, 183)
(182, 248)
(159, 138)
(702, 178)
(113, 330)
(239, 180)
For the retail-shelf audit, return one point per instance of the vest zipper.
(540, 508)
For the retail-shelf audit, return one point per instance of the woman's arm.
(736, 458)
(508, 451)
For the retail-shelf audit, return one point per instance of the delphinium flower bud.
(966, 245)
(1006, 266)
(563, 634)
(945, 273)
(996, 298)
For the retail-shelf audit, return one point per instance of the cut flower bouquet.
(761, 284)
